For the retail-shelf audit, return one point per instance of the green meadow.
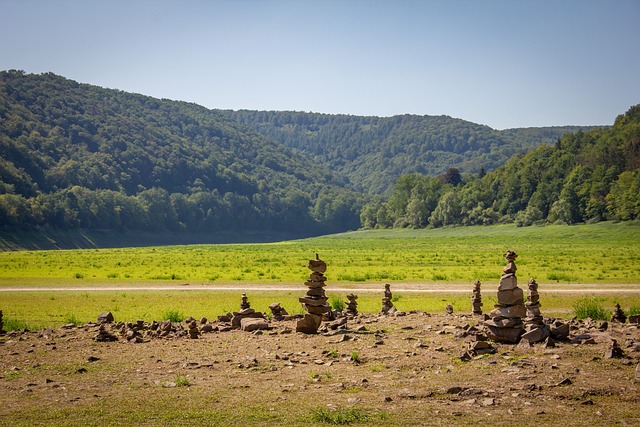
(597, 255)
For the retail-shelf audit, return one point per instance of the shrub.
(590, 307)
(634, 310)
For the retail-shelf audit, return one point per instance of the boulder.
(249, 324)
(105, 317)
(510, 297)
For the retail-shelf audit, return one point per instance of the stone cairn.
(315, 301)
(352, 305)
(618, 315)
(193, 330)
(278, 313)
(476, 299)
(246, 312)
(535, 328)
(104, 336)
(2, 331)
(387, 304)
(448, 310)
(505, 323)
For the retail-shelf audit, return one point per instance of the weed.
(78, 276)
(182, 381)
(174, 316)
(396, 298)
(590, 307)
(355, 356)
(332, 352)
(339, 415)
(72, 319)
(336, 302)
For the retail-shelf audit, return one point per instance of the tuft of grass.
(174, 316)
(355, 356)
(634, 310)
(14, 324)
(71, 318)
(182, 381)
(336, 302)
(590, 307)
(339, 415)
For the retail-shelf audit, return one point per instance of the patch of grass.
(355, 357)
(591, 307)
(71, 318)
(174, 316)
(11, 324)
(182, 381)
(339, 415)
(336, 302)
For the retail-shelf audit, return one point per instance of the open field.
(604, 253)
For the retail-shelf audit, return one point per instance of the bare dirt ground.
(380, 370)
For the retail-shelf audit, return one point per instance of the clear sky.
(502, 63)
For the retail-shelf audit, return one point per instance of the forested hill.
(79, 156)
(375, 151)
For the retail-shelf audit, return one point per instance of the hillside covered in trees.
(79, 156)
(373, 152)
(585, 177)
(76, 156)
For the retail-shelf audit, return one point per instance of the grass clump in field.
(174, 316)
(339, 415)
(11, 324)
(590, 307)
(336, 302)
(72, 319)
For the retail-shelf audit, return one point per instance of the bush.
(590, 307)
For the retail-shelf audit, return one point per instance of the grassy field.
(561, 258)
(604, 253)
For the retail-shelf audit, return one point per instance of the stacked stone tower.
(535, 328)
(505, 324)
(352, 305)
(476, 299)
(387, 301)
(315, 301)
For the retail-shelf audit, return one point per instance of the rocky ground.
(374, 370)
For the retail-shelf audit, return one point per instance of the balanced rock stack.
(618, 315)
(246, 312)
(505, 324)
(2, 332)
(387, 304)
(278, 312)
(315, 301)
(476, 299)
(352, 305)
(535, 328)
(194, 332)
(104, 336)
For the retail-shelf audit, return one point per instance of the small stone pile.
(352, 305)
(448, 310)
(618, 315)
(476, 299)
(278, 313)
(315, 301)
(387, 304)
(535, 328)
(614, 351)
(104, 335)
(246, 312)
(505, 323)
(193, 330)
(2, 331)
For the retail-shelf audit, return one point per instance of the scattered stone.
(476, 299)
(315, 301)
(566, 381)
(105, 317)
(634, 318)
(638, 371)
(246, 312)
(249, 324)
(618, 315)
(104, 335)
(387, 303)
(92, 359)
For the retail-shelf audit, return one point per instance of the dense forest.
(77, 156)
(584, 177)
(373, 152)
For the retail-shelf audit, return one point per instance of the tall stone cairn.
(244, 304)
(352, 305)
(535, 328)
(315, 301)
(387, 301)
(505, 323)
(476, 299)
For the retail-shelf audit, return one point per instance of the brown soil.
(385, 370)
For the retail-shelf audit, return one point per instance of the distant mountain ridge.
(375, 151)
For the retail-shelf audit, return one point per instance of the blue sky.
(502, 63)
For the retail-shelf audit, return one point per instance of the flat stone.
(249, 324)
(505, 335)
(508, 281)
(317, 302)
(507, 297)
(537, 335)
(510, 312)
